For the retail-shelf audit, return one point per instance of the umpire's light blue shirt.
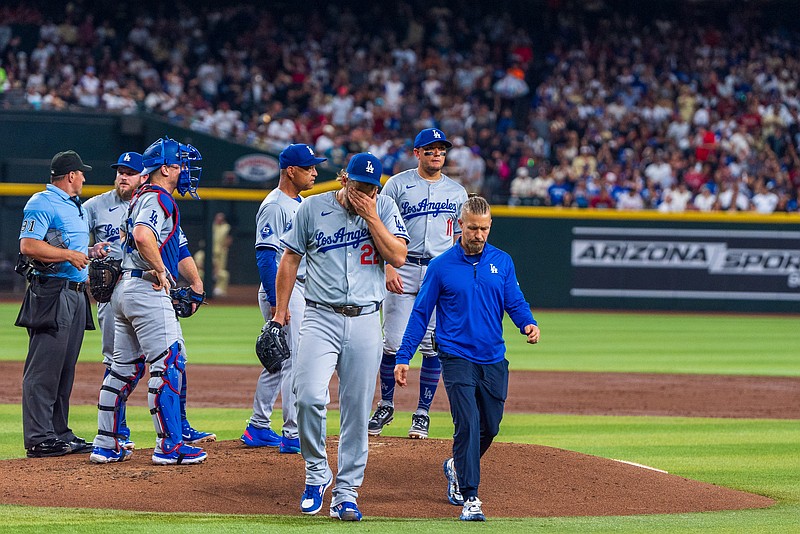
(470, 298)
(52, 210)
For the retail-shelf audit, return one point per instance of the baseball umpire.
(471, 286)
(429, 203)
(345, 236)
(274, 219)
(54, 253)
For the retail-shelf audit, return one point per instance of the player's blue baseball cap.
(132, 160)
(365, 167)
(428, 136)
(298, 155)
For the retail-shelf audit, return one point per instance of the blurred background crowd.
(674, 106)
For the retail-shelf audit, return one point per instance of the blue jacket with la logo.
(470, 295)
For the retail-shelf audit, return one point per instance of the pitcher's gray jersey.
(148, 211)
(106, 213)
(430, 210)
(343, 270)
(273, 220)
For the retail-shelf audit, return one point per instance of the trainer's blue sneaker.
(290, 445)
(472, 510)
(311, 501)
(101, 455)
(191, 436)
(182, 454)
(260, 437)
(346, 511)
(453, 491)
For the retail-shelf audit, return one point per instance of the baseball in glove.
(103, 276)
(183, 299)
(271, 347)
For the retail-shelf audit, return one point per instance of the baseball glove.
(271, 347)
(103, 276)
(183, 298)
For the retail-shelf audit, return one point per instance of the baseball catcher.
(271, 347)
(186, 301)
(103, 276)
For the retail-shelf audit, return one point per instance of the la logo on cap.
(310, 150)
(436, 134)
(370, 169)
(127, 156)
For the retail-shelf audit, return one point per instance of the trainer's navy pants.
(477, 395)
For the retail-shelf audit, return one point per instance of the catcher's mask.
(168, 151)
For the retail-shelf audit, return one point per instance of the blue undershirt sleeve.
(267, 271)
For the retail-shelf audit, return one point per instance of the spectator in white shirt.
(705, 199)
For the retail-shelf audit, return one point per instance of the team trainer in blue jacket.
(470, 286)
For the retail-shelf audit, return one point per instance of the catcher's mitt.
(271, 347)
(183, 298)
(103, 276)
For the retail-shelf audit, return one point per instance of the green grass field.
(760, 456)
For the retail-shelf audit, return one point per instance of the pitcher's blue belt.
(417, 260)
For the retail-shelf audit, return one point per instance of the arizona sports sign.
(685, 263)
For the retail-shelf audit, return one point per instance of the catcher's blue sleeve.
(267, 271)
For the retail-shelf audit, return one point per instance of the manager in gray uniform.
(430, 203)
(345, 236)
(298, 173)
(55, 239)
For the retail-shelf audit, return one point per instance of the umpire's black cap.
(67, 161)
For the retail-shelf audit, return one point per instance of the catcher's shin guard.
(118, 383)
(164, 390)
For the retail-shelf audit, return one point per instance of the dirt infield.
(518, 480)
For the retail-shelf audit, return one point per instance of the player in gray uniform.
(146, 322)
(345, 236)
(106, 212)
(274, 219)
(430, 203)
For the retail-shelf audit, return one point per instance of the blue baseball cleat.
(346, 511)
(289, 445)
(260, 437)
(182, 454)
(191, 436)
(101, 455)
(311, 501)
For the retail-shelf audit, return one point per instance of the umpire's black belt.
(417, 260)
(69, 284)
(347, 311)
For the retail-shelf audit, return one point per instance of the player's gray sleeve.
(296, 239)
(390, 215)
(271, 225)
(90, 208)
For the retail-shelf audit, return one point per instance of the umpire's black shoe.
(79, 445)
(50, 447)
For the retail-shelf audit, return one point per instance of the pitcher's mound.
(403, 479)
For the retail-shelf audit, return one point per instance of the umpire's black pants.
(477, 395)
(50, 370)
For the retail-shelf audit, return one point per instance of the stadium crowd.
(574, 105)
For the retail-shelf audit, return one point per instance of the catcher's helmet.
(170, 152)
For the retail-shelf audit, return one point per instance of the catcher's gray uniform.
(340, 332)
(105, 214)
(430, 211)
(273, 220)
